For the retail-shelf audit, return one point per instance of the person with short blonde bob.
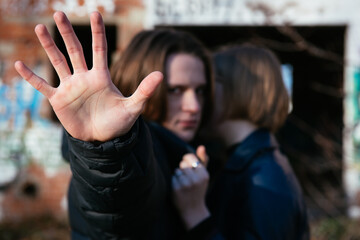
(253, 86)
(256, 195)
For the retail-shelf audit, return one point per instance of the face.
(186, 84)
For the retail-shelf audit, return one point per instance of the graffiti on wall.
(76, 7)
(25, 136)
(201, 10)
(18, 103)
(356, 104)
(20, 7)
(216, 12)
(166, 8)
(33, 172)
(352, 143)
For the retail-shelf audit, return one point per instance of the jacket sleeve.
(266, 214)
(261, 216)
(117, 183)
(257, 211)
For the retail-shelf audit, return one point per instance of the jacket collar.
(169, 139)
(243, 153)
(174, 147)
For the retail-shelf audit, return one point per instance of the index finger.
(201, 153)
(189, 160)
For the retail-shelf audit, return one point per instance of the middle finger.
(72, 43)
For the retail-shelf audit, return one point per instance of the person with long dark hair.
(127, 130)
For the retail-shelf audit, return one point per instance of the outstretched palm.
(86, 102)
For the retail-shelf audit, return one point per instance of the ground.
(46, 228)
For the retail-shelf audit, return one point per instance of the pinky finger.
(38, 83)
(175, 183)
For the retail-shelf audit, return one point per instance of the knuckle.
(57, 61)
(99, 49)
(183, 164)
(48, 45)
(74, 50)
(29, 76)
(38, 86)
(189, 158)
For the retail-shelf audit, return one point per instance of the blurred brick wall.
(29, 138)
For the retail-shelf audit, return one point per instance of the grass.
(340, 228)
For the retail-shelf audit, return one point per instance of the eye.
(174, 90)
(200, 90)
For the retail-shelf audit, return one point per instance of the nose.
(191, 102)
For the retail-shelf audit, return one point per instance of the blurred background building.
(317, 41)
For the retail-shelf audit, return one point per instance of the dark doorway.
(312, 135)
(83, 33)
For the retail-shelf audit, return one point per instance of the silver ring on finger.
(196, 164)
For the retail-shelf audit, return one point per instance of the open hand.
(87, 103)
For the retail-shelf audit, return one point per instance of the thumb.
(201, 153)
(146, 88)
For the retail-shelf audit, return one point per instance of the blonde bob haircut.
(253, 86)
(148, 52)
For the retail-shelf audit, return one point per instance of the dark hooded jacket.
(120, 190)
(256, 196)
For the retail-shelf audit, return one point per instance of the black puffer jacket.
(257, 196)
(120, 190)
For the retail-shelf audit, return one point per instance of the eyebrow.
(185, 85)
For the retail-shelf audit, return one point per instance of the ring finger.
(57, 59)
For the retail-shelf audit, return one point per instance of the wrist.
(194, 216)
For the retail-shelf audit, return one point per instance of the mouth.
(188, 123)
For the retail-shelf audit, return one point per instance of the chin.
(186, 136)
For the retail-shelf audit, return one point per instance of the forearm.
(192, 217)
(115, 181)
(105, 164)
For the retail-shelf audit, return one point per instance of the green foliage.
(340, 228)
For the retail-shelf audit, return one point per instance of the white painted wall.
(250, 12)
